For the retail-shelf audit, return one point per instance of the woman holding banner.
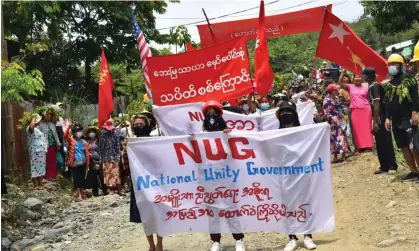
(288, 117)
(214, 122)
(140, 127)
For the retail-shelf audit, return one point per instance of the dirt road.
(369, 209)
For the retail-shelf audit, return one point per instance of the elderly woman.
(37, 151)
(361, 115)
(48, 128)
(334, 116)
(110, 153)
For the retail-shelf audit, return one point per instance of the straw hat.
(92, 128)
(37, 117)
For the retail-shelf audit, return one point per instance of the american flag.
(144, 51)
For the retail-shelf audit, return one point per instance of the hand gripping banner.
(235, 183)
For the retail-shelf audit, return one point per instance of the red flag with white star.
(339, 44)
(263, 71)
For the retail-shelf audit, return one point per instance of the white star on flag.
(338, 31)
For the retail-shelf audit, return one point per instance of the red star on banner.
(339, 44)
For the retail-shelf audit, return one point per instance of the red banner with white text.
(218, 73)
(309, 20)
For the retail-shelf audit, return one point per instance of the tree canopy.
(393, 16)
(74, 32)
(62, 40)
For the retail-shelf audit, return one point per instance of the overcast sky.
(189, 11)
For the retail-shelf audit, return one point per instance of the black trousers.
(217, 237)
(293, 236)
(97, 177)
(385, 149)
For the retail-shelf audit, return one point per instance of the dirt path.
(369, 209)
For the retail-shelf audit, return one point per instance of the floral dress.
(110, 152)
(334, 116)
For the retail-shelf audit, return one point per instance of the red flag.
(263, 71)
(296, 22)
(339, 44)
(106, 86)
(189, 47)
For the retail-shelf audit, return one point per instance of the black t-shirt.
(376, 92)
(402, 111)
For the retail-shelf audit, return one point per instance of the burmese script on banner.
(220, 73)
(303, 21)
(235, 183)
(187, 118)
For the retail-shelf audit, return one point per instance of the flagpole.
(324, 17)
(214, 40)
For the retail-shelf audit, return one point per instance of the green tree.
(17, 85)
(392, 16)
(178, 36)
(74, 33)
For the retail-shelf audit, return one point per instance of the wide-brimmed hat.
(37, 117)
(109, 125)
(92, 128)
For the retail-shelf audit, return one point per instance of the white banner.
(234, 183)
(187, 118)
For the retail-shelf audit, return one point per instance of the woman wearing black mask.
(288, 117)
(214, 122)
(140, 127)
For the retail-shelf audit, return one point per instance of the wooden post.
(7, 136)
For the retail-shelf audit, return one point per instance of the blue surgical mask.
(79, 134)
(392, 70)
(245, 107)
(264, 106)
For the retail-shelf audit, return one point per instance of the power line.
(231, 15)
(237, 12)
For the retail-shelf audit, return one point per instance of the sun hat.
(37, 117)
(92, 128)
(331, 87)
(109, 125)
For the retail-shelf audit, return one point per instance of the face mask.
(286, 119)
(392, 70)
(214, 122)
(92, 135)
(79, 134)
(140, 130)
(264, 106)
(245, 107)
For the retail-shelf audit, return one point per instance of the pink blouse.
(359, 96)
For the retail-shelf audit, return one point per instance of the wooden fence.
(14, 148)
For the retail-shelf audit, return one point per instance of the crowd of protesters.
(357, 106)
